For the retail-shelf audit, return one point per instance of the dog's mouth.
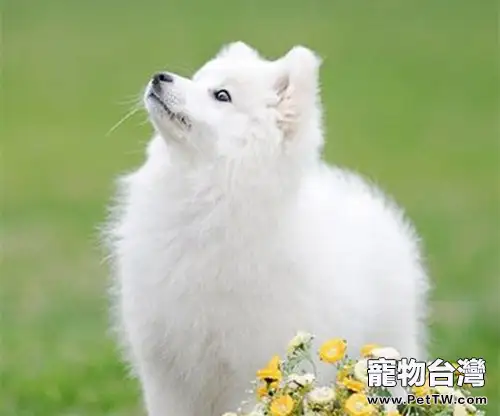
(174, 116)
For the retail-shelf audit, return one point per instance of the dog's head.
(241, 105)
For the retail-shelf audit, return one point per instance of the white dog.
(234, 234)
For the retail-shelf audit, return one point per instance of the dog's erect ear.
(238, 50)
(297, 87)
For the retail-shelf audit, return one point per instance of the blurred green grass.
(411, 96)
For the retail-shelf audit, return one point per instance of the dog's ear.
(297, 87)
(238, 50)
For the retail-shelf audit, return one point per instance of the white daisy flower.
(445, 390)
(390, 407)
(295, 381)
(258, 410)
(361, 370)
(299, 341)
(386, 352)
(321, 395)
(460, 410)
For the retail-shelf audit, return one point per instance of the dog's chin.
(163, 115)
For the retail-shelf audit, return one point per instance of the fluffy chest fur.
(201, 259)
(212, 283)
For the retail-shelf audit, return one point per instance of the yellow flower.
(357, 405)
(393, 413)
(282, 406)
(271, 372)
(421, 391)
(353, 385)
(344, 372)
(457, 366)
(333, 350)
(367, 349)
(264, 389)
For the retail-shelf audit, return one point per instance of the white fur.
(234, 234)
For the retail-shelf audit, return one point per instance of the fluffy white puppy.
(234, 234)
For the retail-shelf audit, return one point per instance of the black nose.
(162, 77)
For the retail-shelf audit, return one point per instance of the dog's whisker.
(123, 119)
(130, 99)
(136, 100)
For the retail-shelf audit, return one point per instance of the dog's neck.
(245, 191)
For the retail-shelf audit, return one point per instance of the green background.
(411, 96)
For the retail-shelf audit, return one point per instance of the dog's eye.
(222, 95)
